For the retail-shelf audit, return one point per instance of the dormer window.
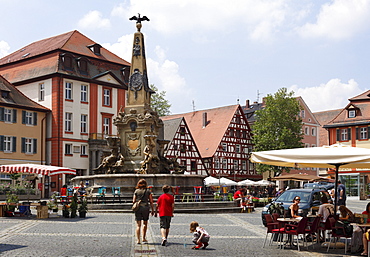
(351, 113)
(82, 65)
(67, 61)
(95, 48)
(4, 94)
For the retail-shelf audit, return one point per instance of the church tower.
(138, 126)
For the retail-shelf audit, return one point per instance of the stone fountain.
(138, 150)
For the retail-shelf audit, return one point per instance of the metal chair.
(116, 191)
(337, 233)
(101, 194)
(296, 230)
(198, 193)
(270, 226)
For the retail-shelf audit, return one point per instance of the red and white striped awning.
(36, 169)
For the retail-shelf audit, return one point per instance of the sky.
(206, 54)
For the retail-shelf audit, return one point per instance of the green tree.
(159, 103)
(277, 126)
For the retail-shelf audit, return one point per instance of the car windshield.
(288, 196)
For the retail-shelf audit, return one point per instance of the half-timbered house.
(182, 146)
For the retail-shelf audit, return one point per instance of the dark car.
(323, 185)
(309, 198)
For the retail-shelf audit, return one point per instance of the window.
(68, 149)
(193, 165)
(237, 148)
(83, 150)
(8, 144)
(68, 91)
(224, 164)
(29, 145)
(83, 123)
(29, 118)
(231, 132)
(182, 131)
(363, 133)
(244, 165)
(302, 113)
(343, 135)
(83, 93)
(224, 147)
(68, 122)
(217, 163)
(236, 165)
(351, 113)
(106, 126)
(68, 62)
(183, 148)
(41, 92)
(106, 97)
(313, 131)
(306, 131)
(76, 149)
(8, 115)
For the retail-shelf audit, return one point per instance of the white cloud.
(4, 48)
(92, 20)
(339, 19)
(261, 19)
(122, 48)
(332, 95)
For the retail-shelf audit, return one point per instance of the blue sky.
(215, 52)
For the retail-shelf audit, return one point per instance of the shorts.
(142, 213)
(164, 222)
(341, 202)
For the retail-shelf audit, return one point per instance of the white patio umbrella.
(227, 182)
(246, 182)
(333, 156)
(263, 182)
(211, 181)
(36, 169)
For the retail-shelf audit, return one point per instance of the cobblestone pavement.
(112, 234)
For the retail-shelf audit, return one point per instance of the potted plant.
(53, 202)
(74, 206)
(82, 208)
(11, 200)
(65, 210)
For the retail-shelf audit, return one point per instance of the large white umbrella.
(212, 181)
(227, 182)
(263, 182)
(333, 156)
(36, 169)
(246, 182)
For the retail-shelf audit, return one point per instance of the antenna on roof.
(258, 96)
(237, 100)
(193, 103)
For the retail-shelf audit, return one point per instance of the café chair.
(101, 194)
(296, 230)
(313, 230)
(116, 191)
(270, 224)
(336, 236)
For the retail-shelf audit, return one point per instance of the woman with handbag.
(144, 196)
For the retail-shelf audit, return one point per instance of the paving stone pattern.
(112, 234)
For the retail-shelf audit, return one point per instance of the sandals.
(364, 254)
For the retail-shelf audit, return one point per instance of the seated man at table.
(325, 209)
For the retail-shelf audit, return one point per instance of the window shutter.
(338, 134)
(14, 115)
(35, 118)
(357, 133)
(349, 133)
(23, 117)
(368, 132)
(1, 113)
(23, 145)
(1, 143)
(14, 146)
(34, 145)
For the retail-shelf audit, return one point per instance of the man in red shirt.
(165, 205)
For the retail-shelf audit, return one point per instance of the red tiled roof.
(364, 96)
(72, 41)
(209, 137)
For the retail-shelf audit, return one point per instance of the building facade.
(83, 85)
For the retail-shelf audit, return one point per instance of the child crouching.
(200, 236)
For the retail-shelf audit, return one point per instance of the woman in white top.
(325, 209)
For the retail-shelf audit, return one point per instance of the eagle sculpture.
(139, 19)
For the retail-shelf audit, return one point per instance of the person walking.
(165, 206)
(142, 214)
(341, 194)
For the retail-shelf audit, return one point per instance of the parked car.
(323, 185)
(309, 198)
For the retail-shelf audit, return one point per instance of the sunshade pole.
(336, 188)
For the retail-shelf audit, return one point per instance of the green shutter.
(34, 145)
(1, 143)
(1, 113)
(35, 118)
(349, 133)
(14, 115)
(14, 146)
(23, 145)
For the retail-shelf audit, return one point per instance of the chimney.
(247, 104)
(204, 119)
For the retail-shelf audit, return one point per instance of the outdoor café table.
(288, 221)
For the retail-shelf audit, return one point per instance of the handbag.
(136, 205)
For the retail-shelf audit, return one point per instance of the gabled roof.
(208, 138)
(16, 99)
(364, 96)
(72, 41)
(170, 127)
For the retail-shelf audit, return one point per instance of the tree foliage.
(159, 103)
(278, 126)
